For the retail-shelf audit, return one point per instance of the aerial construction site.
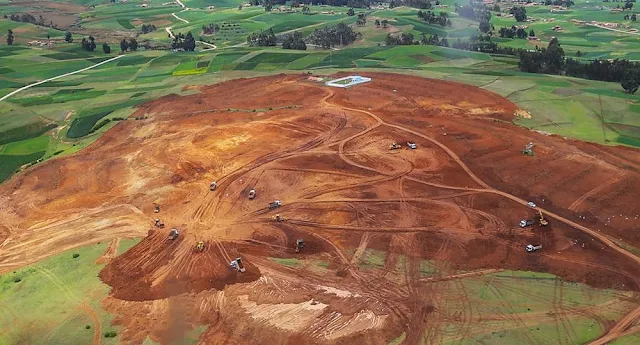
(279, 210)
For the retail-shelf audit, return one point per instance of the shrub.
(76, 255)
(87, 327)
(110, 334)
(17, 279)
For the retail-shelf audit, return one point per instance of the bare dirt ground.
(456, 199)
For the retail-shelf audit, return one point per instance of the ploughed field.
(396, 241)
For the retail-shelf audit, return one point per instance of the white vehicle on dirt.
(412, 146)
(213, 186)
(531, 204)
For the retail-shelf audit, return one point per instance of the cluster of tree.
(633, 17)
(552, 60)
(28, 18)
(515, 32)
(421, 4)
(362, 19)
(105, 48)
(9, 37)
(403, 39)
(147, 28)
(88, 44)
(327, 37)
(519, 13)
(337, 3)
(476, 10)
(432, 18)
(210, 29)
(434, 40)
(262, 39)
(294, 41)
(185, 42)
(131, 44)
(383, 22)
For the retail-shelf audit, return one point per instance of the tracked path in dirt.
(622, 324)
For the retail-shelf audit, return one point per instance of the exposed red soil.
(324, 153)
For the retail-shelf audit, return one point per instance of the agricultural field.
(401, 246)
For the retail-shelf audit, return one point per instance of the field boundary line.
(59, 76)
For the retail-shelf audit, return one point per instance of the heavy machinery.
(526, 222)
(200, 246)
(275, 204)
(158, 223)
(278, 218)
(237, 265)
(299, 245)
(533, 248)
(528, 150)
(173, 234)
(213, 186)
(252, 194)
(541, 220)
(394, 146)
(156, 209)
(412, 146)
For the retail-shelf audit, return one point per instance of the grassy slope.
(44, 307)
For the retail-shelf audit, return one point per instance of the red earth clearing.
(324, 152)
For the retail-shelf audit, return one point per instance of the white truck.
(526, 222)
(213, 186)
(533, 248)
(275, 204)
(412, 146)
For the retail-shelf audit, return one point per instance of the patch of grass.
(291, 262)
(84, 122)
(26, 147)
(275, 57)
(24, 132)
(57, 97)
(11, 163)
(125, 23)
(202, 64)
(134, 60)
(372, 258)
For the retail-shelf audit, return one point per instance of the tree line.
(513, 32)
(184, 42)
(29, 18)
(432, 18)
(210, 29)
(330, 36)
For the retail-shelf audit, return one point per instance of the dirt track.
(323, 152)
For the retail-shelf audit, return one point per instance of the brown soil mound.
(324, 152)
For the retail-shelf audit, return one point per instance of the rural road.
(59, 76)
(175, 14)
(616, 30)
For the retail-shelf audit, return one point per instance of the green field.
(42, 303)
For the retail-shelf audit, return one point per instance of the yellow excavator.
(200, 246)
(394, 146)
(278, 218)
(541, 220)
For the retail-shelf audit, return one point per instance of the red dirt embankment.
(323, 152)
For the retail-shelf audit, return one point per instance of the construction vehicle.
(299, 245)
(528, 150)
(158, 223)
(275, 204)
(173, 234)
(541, 220)
(200, 246)
(213, 186)
(237, 265)
(278, 218)
(412, 146)
(533, 248)
(531, 204)
(526, 222)
(394, 146)
(156, 209)
(252, 194)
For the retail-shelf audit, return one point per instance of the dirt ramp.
(159, 268)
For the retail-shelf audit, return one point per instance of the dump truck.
(299, 245)
(237, 265)
(200, 246)
(526, 222)
(158, 223)
(394, 146)
(541, 220)
(278, 218)
(252, 194)
(528, 150)
(173, 234)
(412, 146)
(213, 186)
(533, 248)
(275, 204)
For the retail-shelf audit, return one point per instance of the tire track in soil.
(594, 191)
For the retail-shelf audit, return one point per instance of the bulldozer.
(541, 220)
(528, 150)
(173, 234)
(299, 245)
(158, 223)
(278, 218)
(394, 146)
(200, 246)
(237, 265)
